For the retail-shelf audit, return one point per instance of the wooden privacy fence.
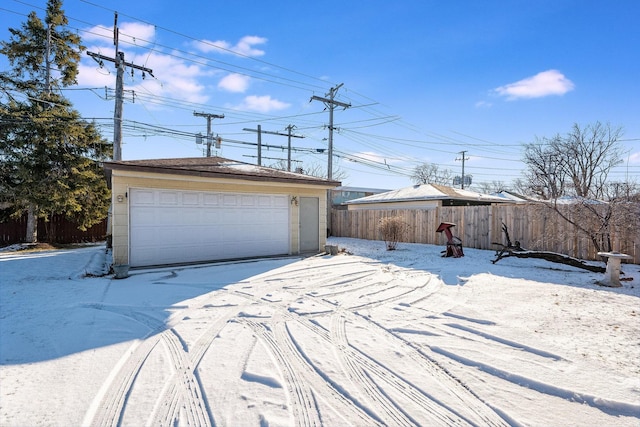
(57, 230)
(534, 226)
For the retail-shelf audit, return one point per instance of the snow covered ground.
(395, 338)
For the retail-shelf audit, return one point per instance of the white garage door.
(168, 226)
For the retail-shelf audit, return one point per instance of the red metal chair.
(454, 244)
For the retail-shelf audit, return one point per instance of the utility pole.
(289, 129)
(120, 63)
(331, 103)
(463, 158)
(48, 60)
(209, 134)
(288, 134)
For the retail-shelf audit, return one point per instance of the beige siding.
(123, 181)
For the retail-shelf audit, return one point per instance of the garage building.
(186, 210)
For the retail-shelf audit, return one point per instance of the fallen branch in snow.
(518, 251)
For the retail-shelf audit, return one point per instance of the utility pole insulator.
(209, 134)
(463, 158)
(331, 104)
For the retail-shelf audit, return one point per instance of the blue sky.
(426, 80)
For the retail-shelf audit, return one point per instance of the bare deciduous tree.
(591, 152)
(429, 173)
(577, 165)
(492, 187)
(545, 176)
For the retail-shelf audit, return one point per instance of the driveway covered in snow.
(399, 338)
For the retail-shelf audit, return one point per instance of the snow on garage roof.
(217, 167)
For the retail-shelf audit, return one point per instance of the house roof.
(427, 192)
(215, 167)
(361, 189)
(510, 196)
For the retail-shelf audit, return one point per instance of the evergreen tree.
(50, 156)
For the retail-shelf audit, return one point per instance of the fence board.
(534, 226)
(57, 230)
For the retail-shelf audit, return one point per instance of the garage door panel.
(190, 215)
(169, 217)
(210, 216)
(191, 199)
(142, 213)
(211, 199)
(169, 198)
(168, 226)
(144, 197)
(248, 201)
(230, 200)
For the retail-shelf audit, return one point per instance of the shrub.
(392, 229)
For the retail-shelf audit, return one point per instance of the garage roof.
(215, 167)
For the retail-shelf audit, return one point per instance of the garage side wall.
(123, 181)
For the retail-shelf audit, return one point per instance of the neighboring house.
(184, 210)
(423, 196)
(340, 195)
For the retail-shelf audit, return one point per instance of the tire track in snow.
(184, 390)
(302, 378)
(107, 408)
(466, 398)
(184, 396)
(355, 362)
(302, 401)
(460, 391)
(109, 405)
(386, 409)
(329, 279)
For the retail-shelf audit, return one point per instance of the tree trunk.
(549, 256)
(518, 251)
(32, 225)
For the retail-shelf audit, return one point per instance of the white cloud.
(173, 77)
(234, 83)
(130, 33)
(483, 104)
(545, 83)
(245, 46)
(262, 104)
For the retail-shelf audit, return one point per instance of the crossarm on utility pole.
(288, 134)
(209, 116)
(331, 103)
(117, 115)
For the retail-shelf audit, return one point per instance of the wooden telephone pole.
(120, 63)
(209, 134)
(331, 103)
(463, 158)
(288, 134)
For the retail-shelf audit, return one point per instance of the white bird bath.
(612, 273)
